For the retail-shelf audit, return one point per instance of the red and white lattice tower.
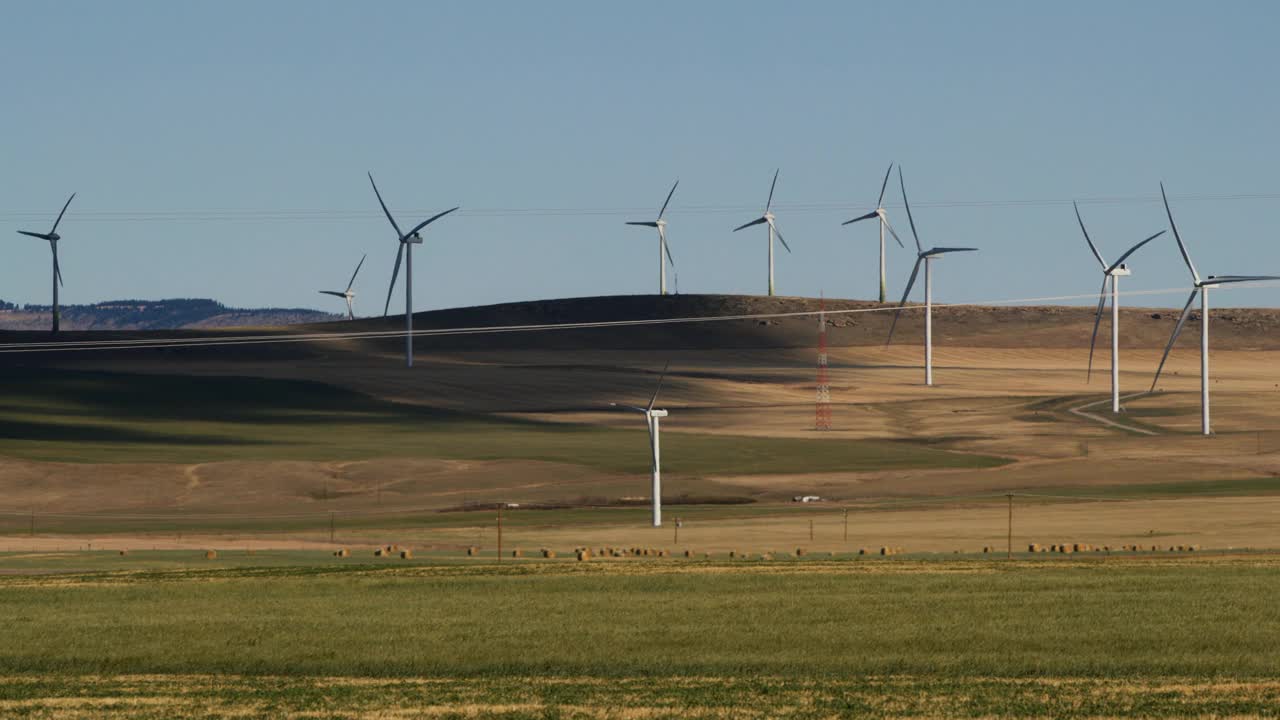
(822, 419)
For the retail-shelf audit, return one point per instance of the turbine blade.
(1186, 257)
(894, 233)
(934, 252)
(771, 187)
(334, 293)
(910, 219)
(1222, 279)
(357, 272)
(753, 222)
(643, 224)
(394, 274)
(860, 218)
(780, 238)
(1097, 318)
(1087, 239)
(1131, 250)
(384, 207)
(662, 235)
(898, 313)
(42, 236)
(668, 200)
(1182, 319)
(658, 389)
(883, 185)
(57, 269)
(64, 211)
(430, 220)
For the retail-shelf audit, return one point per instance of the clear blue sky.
(189, 129)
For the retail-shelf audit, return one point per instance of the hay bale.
(342, 552)
(986, 549)
(210, 554)
(517, 553)
(886, 551)
(831, 554)
(583, 554)
(862, 551)
(733, 554)
(548, 553)
(1193, 548)
(380, 552)
(1033, 547)
(801, 552)
(766, 556)
(473, 551)
(406, 554)
(688, 553)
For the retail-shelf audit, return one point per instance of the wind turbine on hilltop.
(53, 237)
(1202, 287)
(1110, 273)
(663, 250)
(407, 241)
(767, 219)
(884, 225)
(347, 294)
(651, 417)
(926, 257)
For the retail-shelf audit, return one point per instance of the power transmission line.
(210, 215)
(283, 338)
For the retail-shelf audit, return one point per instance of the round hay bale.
(886, 551)
(1033, 547)
(583, 554)
(688, 553)
(986, 549)
(473, 551)
(831, 554)
(862, 551)
(210, 554)
(766, 556)
(124, 552)
(733, 554)
(406, 554)
(801, 552)
(1193, 548)
(548, 553)
(517, 553)
(380, 552)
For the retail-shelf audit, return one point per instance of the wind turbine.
(661, 225)
(767, 219)
(651, 417)
(927, 257)
(884, 225)
(407, 240)
(53, 237)
(1110, 273)
(347, 294)
(1202, 287)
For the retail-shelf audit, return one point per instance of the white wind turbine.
(884, 225)
(1202, 287)
(651, 417)
(53, 237)
(1110, 273)
(926, 257)
(347, 294)
(767, 219)
(407, 240)
(663, 250)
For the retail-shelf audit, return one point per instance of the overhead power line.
(270, 339)
(210, 215)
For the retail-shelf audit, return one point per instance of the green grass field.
(91, 417)
(955, 638)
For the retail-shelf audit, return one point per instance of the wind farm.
(230, 488)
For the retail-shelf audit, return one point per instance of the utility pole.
(846, 524)
(810, 529)
(676, 528)
(500, 532)
(1009, 546)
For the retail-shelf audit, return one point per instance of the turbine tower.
(347, 294)
(884, 225)
(926, 257)
(53, 237)
(767, 219)
(407, 241)
(651, 417)
(663, 250)
(1202, 287)
(1110, 273)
